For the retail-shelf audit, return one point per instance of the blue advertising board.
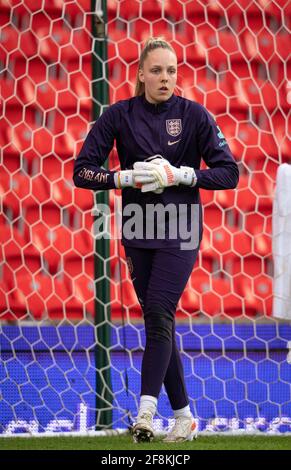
(237, 377)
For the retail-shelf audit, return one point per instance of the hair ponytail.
(150, 45)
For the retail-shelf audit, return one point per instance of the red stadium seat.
(127, 10)
(55, 93)
(52, 243)
(40, 189)
(117, 30)
(69, 143)
(4, 132)
(253, 265)
(281, 129)
(42, 142)
(188, 304)
(21, 136)
(127, 50)
(274, 7)
(221, 240)
(173, 10)
(63, 43)
(62, 190)
(219, 46)
(112, 9)
(64, 193)
(263, 187)
(83, 242)
(262, 244)
(263, 290)
(207, 197)
(258, 222)
(256, 293)
(75, 12)
(243, 286)
(258, 93)
(11, 158)
(81, 298)
(123, 92)
(224, 198)
(20, 43)
(267, 45)
(241, 4)
(140, 29)
(245, 197)
(199, 13)
(18, 251)
(184, 34)
(259, 45)
(222, 245)
(80, 85)
(210, 90)
(217, 298)
(285, 93)
(48, 212)
(7, 84)
(37, 295)
(195, 57)
(74, 264)
(250, 265)
(50, 6)
(78, 219)
(19, 188)
(280, 44)
(151, 10)
(9, 41)
(162, 28)
(10, 309)
(117, 72)
(4, 307)
(213, 216)
(14, 190)
(185, 79)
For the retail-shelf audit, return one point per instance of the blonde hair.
(150, 45)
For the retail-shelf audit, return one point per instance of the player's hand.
(132, 178)
(165, 174)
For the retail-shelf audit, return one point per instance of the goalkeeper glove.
(155, 159)
(128, 178)
(164, 174)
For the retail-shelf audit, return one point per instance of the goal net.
(71, 329)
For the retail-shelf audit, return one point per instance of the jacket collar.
(160, 107)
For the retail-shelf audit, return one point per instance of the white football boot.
(143, 429)
(184, 429)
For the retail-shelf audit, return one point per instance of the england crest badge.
(174, 127)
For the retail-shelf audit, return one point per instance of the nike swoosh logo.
(172, 143)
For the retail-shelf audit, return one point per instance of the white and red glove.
(153, 159)
(163, 174)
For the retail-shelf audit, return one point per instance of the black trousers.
(159, 277)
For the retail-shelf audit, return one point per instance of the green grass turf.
(124, 442)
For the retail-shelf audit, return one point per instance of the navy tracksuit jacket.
(180, 130)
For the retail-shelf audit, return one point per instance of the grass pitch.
(124, 442)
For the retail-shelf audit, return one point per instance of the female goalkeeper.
(161, 139)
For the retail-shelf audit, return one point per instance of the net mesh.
(233, 57)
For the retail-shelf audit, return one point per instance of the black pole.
(100, 92)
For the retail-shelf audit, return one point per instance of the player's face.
(159, 75)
